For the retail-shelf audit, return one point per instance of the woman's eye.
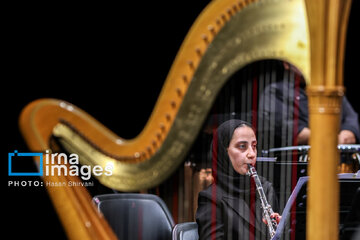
(242, 146)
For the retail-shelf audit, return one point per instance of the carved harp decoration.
(226, 36)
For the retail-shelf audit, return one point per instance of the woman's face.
(242, 149)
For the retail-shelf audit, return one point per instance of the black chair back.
(185, 231)
(136, 216)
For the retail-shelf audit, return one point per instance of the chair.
(136, 216)
(185, 231)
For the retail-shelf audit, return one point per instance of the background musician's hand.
(346, 137)
(304, 136)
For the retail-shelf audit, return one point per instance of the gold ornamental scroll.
(327, 25)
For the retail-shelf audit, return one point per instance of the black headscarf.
(225, 175)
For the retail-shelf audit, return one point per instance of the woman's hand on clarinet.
(275, 216)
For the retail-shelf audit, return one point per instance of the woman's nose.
(251, 153)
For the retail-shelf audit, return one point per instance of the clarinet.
(267, 210)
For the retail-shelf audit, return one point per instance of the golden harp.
(227, 36)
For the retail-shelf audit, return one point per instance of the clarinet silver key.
(267, 210)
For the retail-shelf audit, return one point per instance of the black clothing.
(278, 105)
(228, 216)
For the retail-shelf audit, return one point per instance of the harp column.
(327, 25)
